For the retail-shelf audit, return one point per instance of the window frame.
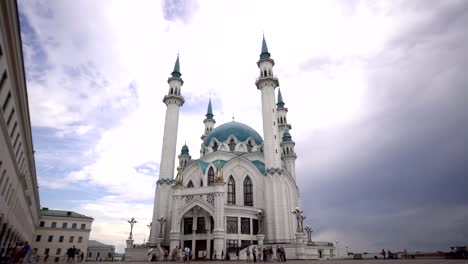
(231, 191)
(248, 192)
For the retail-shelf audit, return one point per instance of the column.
(219, 232)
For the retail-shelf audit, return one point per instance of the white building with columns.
(241, 191)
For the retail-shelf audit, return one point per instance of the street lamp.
(337, 249)
(131, 222)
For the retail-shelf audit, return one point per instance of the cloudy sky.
(376, 92)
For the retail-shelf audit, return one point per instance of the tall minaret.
(162, 202)
(173, 100)
(267, 83)
(282, 112)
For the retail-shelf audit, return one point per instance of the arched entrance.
(197, 226)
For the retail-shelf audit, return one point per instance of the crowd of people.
(255, 254)
(20, 253)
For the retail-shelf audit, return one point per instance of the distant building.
(60, 230)
(99, 251)
(19, 197)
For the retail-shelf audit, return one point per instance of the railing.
(320, 243)
(279, 241)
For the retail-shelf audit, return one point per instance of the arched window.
(232, 145)
(201, 182)
(215, 146)
(264, 73)
(231, 193)
(248, 192)
(172, 90)
(190, 184)
(249, 146)
(210, 176)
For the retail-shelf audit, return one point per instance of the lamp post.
(131, 222)
(337, 249)
(149, 226)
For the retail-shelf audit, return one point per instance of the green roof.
(209, 111)
(61, 213)
(239, 130)
(265, 54)
(280, 103)
(176, 72)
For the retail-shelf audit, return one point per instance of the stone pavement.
(346, 261)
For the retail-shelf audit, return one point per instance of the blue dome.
(241, 131)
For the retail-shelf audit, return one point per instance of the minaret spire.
(176, 72)
(265, 54)
(280, 102)
(209, 125)
(209, 111)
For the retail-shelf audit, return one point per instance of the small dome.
(287, 136)
(185, 150)
(239, 130)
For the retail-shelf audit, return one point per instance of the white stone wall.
(19, 197)
(58, 231)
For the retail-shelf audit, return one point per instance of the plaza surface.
(338, 261)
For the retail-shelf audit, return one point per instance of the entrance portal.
(200, 247)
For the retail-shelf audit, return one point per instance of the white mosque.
(241, 191)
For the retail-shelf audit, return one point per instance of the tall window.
(215, 146)
(64, 225)
(53, 225)
(201, 227)
(201, 182)
(248, 192)
(188, 226)
(74, 225)
(190, 184)
(231, 193)
(210, 176)
(232, 145)
(61, 239)
(245, 226)
(51, 238)
(70, 240)
(231, 225)
(255, 226)
(83, 226)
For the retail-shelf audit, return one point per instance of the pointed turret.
(209, 111)
(209, 125)
(176, 72)
(265, 54)
(280, 102)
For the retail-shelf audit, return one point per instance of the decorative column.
(175, 235)
(219, 232)
(130, 237)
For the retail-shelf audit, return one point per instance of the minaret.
(184, 157)
(173, 100)
(267, 83)
(209, 121)
(276, 210)
(288, 154)
(162, 204)
(282, 112)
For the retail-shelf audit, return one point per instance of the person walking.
(383, 253)
(25, 253)
(17, 253)
(254, 254)
(259, 254)
(247, 252)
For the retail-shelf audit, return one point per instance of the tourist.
(166, 253)
(222, 254)
(214, 255)
(179, 254)
(81, 256)
(187, 254)
(283, 254)
(237, 254)
(259, 254)
(25, 252)
(254, 254)
(247, 252)
(204, 256)
(46, 257)
(383, 253)
(278, 254)
(17, 253)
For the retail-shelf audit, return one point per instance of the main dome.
(239, 130)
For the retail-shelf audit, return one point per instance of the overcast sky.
(376, 92)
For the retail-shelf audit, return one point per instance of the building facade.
(60, 230)
(241, 191)
(19, 197)
(98, 251)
